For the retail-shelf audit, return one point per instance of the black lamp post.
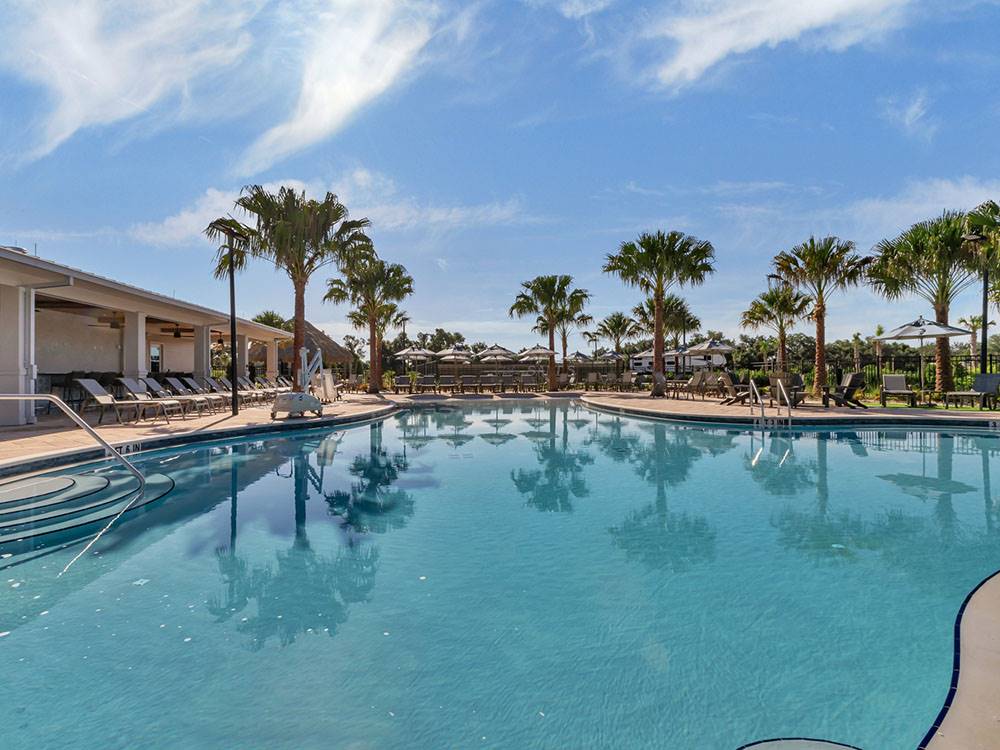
(976, 240)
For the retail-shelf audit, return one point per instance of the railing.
(783, 394)
(64, 407)
(755, 394)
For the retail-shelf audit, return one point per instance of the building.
(56, 320)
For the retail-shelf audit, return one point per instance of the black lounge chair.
(846, 394)
(402, 381)
(469, 383)
(189, 386)
(984, 391)
(140, 392)
(794, 387)
(427, 383)
(894, 386)
(447, 383)
(732, 394)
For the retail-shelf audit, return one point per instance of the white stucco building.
(55, 320)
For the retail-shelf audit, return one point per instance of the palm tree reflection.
(561, 476)
(656, 536)
(305, 591)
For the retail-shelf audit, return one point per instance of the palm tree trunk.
(552, 357)
(658, 333)
(565, 344)
(374, 376)
(973, 346)
(782, 350)
(819, 376)
(943, 380)
(299, 330)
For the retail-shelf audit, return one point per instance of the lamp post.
(977, 240)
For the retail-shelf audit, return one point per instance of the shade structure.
(921, 329)
(709, 348)
(578, 357)
(414, 354)
(497, 438)
(611, 357)
(536, 354)
(454, 354)
(495, 351)
(495, 357)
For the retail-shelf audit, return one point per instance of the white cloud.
(703, 34)
(573, 9)
(365, 192)
(102, 61)
(354, 51)
(911, 115)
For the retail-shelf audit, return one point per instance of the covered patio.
(59, 323)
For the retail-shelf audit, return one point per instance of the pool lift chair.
(297, 403)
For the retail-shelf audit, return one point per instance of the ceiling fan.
(178, 331)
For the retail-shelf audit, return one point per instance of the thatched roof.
(333, 353)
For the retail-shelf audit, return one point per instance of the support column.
(272, 359)
(202, 351)
(17, 353)
(135, 357)
(242, 350)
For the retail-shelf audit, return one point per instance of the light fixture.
(177, 331)
(222, 341)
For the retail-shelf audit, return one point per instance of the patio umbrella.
(578, 357)
(497, 438)
(414, 354)
(923, 329)
(709, 348)
(494, 357)
(495, 350)
(454, 354)
(536, 354)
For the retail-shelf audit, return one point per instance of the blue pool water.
(519, 575)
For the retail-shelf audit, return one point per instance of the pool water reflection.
(515, 575)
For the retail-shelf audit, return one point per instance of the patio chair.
(252, 394)
(189, 401)
(214, 387)
(730, 392)
(267, 394)
(272, 385)
(627, 381)
(489, 383)
(402, 381)
(593, 381)
(694, 385)
(470, 383)
(846, 394)
(794, 387)
(180, 389)
(447, 383)
(984, 391)
(529, 383)
(894, 386)
(104, 401)
(139, 392)
(562, 381)
(427, 383)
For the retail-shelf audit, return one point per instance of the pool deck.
(54, 439)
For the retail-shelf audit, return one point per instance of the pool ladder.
(782, 395)
(78, 420)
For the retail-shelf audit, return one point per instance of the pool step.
(89, 503)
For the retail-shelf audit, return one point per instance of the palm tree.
(975, 323)
(819, 267)
(879, 332)
(856, 342)
(779, 309)
(299, 236)
(931, 261)
(654, 263)
(983, 227)
(373, 287)
(570, 316)
(678, 320)
(549, 297)
(617, 328)
(273, 319)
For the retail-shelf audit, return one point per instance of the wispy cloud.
(354, 51)
(367, 193)
(701, 35)
(574, 9)
(103, 61)
(911, 115)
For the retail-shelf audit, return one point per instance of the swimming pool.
(517, 575)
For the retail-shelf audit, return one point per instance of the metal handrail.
(788, 402)
(64, 407)
(755, 392)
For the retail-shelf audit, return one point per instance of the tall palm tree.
(779, 309)
(877, 340)
(549, 297)
(617, 328)
(678, 320)
(299, 236)
(373, 287)
(570, 317)
(975, 323)
(932, 261)
(656, 262)
(819, 267)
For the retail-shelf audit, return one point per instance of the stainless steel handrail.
(64, 407)
(755, 392)
(788, 402)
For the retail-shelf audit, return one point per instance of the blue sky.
(493, 141)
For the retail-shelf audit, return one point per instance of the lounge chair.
(402, 381)
(189, 402)
(469, 382)
(427, 383)
(793, 385)
(694, 385)
(730, 392)
(562, 381)
(180, 389)
(529, 383)
(252, 394)
(984, 391)
(211, 385)
(447, 383)
(104, 400)
(272, 386)
(627, 381)
(250, 385)
(489, 383)
(894, 386)
(140, 392)
(846, 394)
(593, 381)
